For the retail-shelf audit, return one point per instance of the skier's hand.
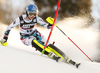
(49, 26)
(3, 42)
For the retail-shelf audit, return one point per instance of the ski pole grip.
(50, 20)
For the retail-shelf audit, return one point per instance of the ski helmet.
(31, 10)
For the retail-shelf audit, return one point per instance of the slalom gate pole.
(74, 43)
(51, 27)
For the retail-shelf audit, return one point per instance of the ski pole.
(51, 27)
(74, 43)
(50, 20)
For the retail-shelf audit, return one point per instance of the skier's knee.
(40, 47)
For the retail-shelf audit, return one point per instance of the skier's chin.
(31, 17)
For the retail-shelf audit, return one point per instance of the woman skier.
(30, 36)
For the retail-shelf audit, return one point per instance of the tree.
(67, 7)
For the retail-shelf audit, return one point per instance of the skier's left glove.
(3, 42)
(49, 26)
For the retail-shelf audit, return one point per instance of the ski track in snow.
(18, 58)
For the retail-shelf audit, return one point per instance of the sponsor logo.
(27, 25)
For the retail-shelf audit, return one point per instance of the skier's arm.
(43, 23)
(12, 25)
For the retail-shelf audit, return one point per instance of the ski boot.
(53, 56)
(72, 62)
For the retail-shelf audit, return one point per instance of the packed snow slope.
(19, 58)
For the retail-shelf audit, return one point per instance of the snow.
(18, 58)
(95, 13)
(15, 60)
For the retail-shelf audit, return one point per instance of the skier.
(30, 36)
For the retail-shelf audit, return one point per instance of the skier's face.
(31, 15)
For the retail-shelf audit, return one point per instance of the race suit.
(27, 30)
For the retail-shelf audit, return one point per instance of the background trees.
(68, 8)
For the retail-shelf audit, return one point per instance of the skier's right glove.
(3, 42)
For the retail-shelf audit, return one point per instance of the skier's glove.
(3, 42)
(49, 26)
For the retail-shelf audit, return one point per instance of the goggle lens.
(32, 14)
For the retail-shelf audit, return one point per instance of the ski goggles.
(32, 14)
